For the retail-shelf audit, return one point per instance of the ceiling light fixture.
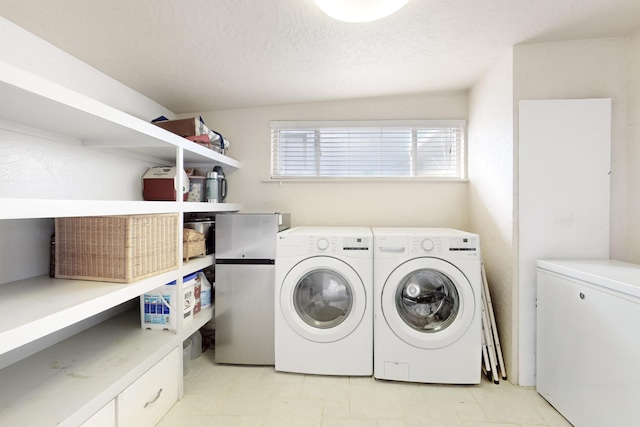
(360, 10)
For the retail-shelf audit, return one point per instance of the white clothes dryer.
(324, 301)
(427, 305)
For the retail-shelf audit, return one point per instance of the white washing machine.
(427, 305)
(324, 301)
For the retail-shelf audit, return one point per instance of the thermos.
(213, 190)
(222, 184)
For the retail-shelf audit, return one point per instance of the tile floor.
(225, 395)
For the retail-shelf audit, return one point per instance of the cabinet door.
(588, 348)
(105, 417)
(149, 398)
(563, 197)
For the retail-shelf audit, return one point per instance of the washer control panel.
(333, 244)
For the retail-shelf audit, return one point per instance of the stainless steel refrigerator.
(244, 287)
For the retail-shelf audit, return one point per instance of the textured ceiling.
(204, 55)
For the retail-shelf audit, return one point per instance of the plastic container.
(188, 284)
(197, 189)
(205, 291)
(186, 356)
(157, 308)
(196, 345)
(197, 289)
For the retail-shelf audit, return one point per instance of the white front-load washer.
(427, 305)
(324, 301)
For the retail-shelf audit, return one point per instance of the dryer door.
(322, 299)
(428, 303)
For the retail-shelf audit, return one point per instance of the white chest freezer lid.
(616, 275)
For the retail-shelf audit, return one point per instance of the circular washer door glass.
(427, 300)
(323, 298)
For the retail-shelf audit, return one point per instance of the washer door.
(428, 303)
(322, 299)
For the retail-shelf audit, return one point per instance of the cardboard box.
(184, 127)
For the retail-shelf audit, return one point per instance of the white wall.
(357, 203)
(577, 69)
(491, 171)
(631, 240)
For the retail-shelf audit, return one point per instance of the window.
(409, 148)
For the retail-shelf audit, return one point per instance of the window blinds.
(410, 148)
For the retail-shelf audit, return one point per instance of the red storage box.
(161, 183)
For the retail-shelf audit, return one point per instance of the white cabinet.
(69, 347)
(588, 344)
(105, 417)
(145, 402)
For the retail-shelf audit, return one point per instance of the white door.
(323, 299)
(428, 303)
(563, 197)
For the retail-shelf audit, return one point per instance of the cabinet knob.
(582, 295)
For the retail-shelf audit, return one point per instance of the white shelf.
(210, 207)
(68, 382)
(36, 102)
(34, 308)
(65, 382)
(48, 208)
(206, 314)
(196, 264)
(199, 320)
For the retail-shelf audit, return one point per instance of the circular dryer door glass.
(323, 298)
(427, 300)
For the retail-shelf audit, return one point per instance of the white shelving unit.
(68, 382)
(69, 347)
(206, 314)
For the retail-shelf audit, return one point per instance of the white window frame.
(381, 128)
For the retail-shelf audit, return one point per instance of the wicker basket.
(116, 248)
(193, 244)
(193, 249)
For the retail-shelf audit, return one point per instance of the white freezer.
(588, 343)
